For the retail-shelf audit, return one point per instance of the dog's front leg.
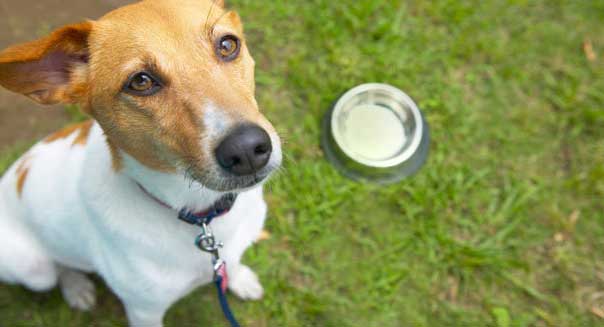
(244, 282)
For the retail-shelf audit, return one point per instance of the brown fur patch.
(83, 130)
(22, 172)
(116, 158)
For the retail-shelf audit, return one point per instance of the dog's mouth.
(237, 184)
(220, 178)
(225, 203)
(221, 182)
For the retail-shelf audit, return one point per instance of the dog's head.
(170, 82)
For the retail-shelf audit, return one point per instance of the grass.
(504, 226)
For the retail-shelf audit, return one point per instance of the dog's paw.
(78, 290)
(245, 284)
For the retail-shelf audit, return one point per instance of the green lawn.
(503, 227)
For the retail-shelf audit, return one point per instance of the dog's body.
(77, 212)
(92, 198)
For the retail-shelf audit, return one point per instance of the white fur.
(77, 213)
(215, 121)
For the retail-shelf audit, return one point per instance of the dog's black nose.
(245, 151)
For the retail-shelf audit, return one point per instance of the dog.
(169, 85)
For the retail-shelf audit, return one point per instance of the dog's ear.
(51, 69)
(219, 3)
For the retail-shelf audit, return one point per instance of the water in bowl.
(374, 132)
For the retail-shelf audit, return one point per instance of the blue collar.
(218, 209)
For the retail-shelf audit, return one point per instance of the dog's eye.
(227, 47)
(142, 84)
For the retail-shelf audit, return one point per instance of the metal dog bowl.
(376, 133)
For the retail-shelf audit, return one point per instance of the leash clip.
(206, 241)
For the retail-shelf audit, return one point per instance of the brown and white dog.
(170, 85)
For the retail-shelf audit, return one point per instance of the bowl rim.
(397, 95)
